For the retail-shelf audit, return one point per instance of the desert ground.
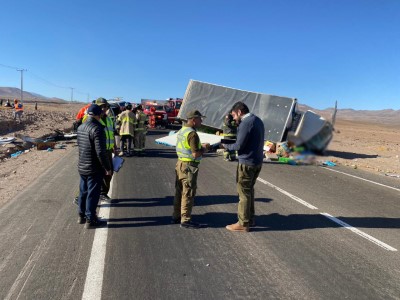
(361, 143)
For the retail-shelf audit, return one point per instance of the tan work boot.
(237, 227)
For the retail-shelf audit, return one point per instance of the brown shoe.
(237, 227)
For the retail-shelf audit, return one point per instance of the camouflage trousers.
(246, 177)
(185, 189)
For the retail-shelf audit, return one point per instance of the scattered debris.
(16, 154)
(6, 140)
(393, 175)
(329, 163)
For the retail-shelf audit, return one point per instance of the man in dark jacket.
(249, 145)
(93, 164)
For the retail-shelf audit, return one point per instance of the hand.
(206, 147)
(108, 172)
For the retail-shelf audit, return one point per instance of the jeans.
(89, 196)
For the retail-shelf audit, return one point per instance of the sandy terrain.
(357, 144)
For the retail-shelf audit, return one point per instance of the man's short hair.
(240, 106)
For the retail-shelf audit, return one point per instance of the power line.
(48, 82)
(44, 80)
(15, 68)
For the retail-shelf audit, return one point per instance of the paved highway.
(321, 234)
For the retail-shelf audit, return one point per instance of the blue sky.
(316, 51)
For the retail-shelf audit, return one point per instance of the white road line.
(360, 233)
(94, 276)
(377, 183)
(295, 198)
(336, 220)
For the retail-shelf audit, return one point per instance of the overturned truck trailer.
(282, 120)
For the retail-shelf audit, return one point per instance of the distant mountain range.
(15, 93)
(385, 116)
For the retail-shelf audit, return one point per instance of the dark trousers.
(89, 196)
(105, 187)
(126, 139)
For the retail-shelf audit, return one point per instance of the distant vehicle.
(156, 111)
(282, 120)
(174, 105)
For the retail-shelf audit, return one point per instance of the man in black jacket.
(93, 164)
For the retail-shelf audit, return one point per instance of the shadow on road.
(139, 221)
(168, 201)
(277, 222)
(348, 155)
(271, 222)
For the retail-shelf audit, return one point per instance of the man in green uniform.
(189, 151)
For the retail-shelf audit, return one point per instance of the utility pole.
(72, 94)
(22, 83)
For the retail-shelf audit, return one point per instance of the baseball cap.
(94, 110)
(101, 101)
(194, 114)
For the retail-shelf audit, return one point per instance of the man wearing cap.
(189, 151)
(249, 145)
(92, 165)
(109, 129)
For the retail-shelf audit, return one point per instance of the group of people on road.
(131, 126)
(97, 131)
(96, 145)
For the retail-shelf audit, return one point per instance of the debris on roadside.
(393, 175)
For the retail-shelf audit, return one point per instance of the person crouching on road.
(189, 151)
(93, 163)
(249, 144)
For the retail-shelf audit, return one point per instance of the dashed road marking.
(359, 232)
(336, 220)
(374, 182)
(295, 198)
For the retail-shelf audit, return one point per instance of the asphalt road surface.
(321, 234)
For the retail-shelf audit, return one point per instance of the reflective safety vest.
(182, 146)
(141, 120)
(230, 129)
(127, 121)
(18, 107)
(109, 131)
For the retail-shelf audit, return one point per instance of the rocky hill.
(15, 93)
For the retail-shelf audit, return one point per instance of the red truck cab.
(157, 114)
(173, 108)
